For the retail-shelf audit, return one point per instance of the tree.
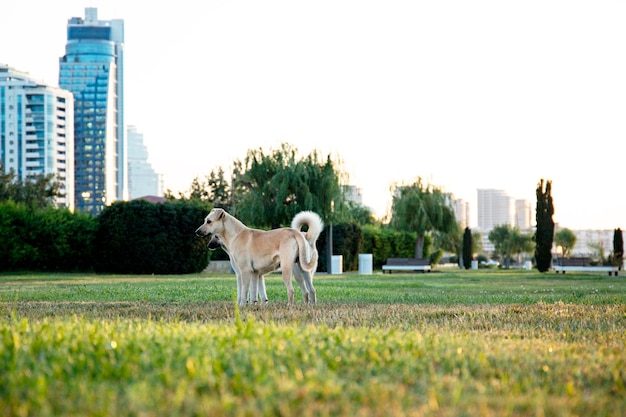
(422, 208)
(214, 190)
(618, 248)
(502, 241)
(467, 248)
(38, 191)
(544, 234)
(509, 241)
(272, 188)
(566, 239)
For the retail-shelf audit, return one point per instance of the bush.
(384, 242)
(45, 239)
(139, 237)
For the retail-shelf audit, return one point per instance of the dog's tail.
(313, 222)
(304, 251)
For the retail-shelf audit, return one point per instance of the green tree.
(566, 239)
(467, 248)
(37, 192)
(214, 190)
(422, 208)
(139, 237)
(501, 237)
(544, 234)
(618, 248)
(271, 188)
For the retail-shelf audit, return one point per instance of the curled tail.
(313, 222)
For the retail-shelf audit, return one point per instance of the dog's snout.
(199, 231)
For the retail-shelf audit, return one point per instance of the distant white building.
(143, 180)
(37, 130)
(497, 208)
(352, 194)
(590, 242)
(461, 212)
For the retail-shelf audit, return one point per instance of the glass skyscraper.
(92, 69)
(36, 137)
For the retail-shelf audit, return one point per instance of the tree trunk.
(419, 247)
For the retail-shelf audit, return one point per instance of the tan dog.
(254, 252)
(215, 243)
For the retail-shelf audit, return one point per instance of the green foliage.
(214, 190)
(385, 242)
(272, 188)
(422, 208)
(37, 192)
(347, 241)
(509, 241)
(544, 234)
(139, 237)
(566, 239)
(617, 257)
(45, 239)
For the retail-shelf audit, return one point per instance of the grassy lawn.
(446, 343)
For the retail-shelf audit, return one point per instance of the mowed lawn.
(446, 343)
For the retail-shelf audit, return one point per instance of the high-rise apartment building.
(142, 178)
(495, 208)
(523, 215)
(92, 69)
(461, 212)
(36, 131)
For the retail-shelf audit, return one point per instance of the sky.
(464, 94)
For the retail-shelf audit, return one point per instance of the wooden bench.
(406, 264)
(581, 264)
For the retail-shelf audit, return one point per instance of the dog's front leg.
(245, 288)
(262, 291)
(254, 288)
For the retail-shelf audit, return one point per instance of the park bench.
(406, 264)
(581, 264)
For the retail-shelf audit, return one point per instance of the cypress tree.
(618, 248)
(545, 226)
(467, 248)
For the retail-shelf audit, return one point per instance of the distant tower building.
(92, 68)
(36, 130)
(142, 178)
(523, 215)
(352, 194)
(461, 212)
(495, 208)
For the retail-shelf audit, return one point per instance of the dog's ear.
(222, 213)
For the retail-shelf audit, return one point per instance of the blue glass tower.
(92, 68)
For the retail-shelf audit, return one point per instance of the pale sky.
(465, 94)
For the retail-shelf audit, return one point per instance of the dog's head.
(213, 223)
(214, 243)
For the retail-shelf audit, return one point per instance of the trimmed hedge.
(139, 237)
(45, 239)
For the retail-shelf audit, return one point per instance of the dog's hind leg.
(286, 273)
(307, 277)
(297, 274)
(254, 288)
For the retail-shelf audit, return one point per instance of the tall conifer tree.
(467, 248)
(618, 247)
(544, 235)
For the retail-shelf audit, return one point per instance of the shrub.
(139, 237)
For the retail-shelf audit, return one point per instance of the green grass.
(451, 343)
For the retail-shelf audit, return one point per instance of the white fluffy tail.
(314, 223)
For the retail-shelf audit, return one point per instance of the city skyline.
(465, 95)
